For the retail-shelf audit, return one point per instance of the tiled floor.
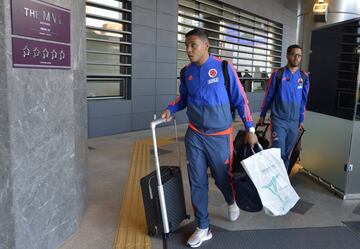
(108, 162)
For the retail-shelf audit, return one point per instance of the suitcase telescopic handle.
(266, 125)
(164, 216)
(153, 125)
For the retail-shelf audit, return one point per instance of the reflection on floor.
(108, 167)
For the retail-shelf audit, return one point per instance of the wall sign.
(38, 54)
(40, 20)
(34, 21)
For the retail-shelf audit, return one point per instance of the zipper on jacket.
(201, 97)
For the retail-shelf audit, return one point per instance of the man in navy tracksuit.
(287, 102)
(208, 139)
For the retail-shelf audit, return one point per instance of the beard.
(294, 64)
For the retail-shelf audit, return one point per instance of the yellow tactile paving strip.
(131, 231)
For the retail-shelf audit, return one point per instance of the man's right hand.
(251, 139)
(261, 121)
(166, 114)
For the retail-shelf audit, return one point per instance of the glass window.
(108, 46)
(208, 8)
(246, 14)
(109, 88)
(107, 58)
(246, 49)
(190, 3)
(103, 12)
(111, 3)
(94, 70)
(102, 46)
(243, 68)
(245, 62)
(259, 57)
(230, 15)
(247, 22)
(97, 23)
(107, 35)
(260, 51)
(246, 55)
(184, 29)
(259, 63)
(182, 55)
(181, 44)
(215, 51)
(250, 42)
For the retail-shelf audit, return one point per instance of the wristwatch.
(252, 130)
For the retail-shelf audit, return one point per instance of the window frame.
(116, 70)
(246, 33)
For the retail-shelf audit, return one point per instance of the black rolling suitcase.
(261, 135)
(239, 144)
(163, 194)
(246, 195)
(295, 154)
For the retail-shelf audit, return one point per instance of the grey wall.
(43, 131)
(154, 58)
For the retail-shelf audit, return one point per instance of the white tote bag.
(267, 171)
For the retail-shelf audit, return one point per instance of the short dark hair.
(201, 33)
(291, 47)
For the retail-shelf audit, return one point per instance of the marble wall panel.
(79, 176)
(7, 239)
(2, 47)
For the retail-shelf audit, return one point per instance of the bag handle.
(252, 149)
(264, 131)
